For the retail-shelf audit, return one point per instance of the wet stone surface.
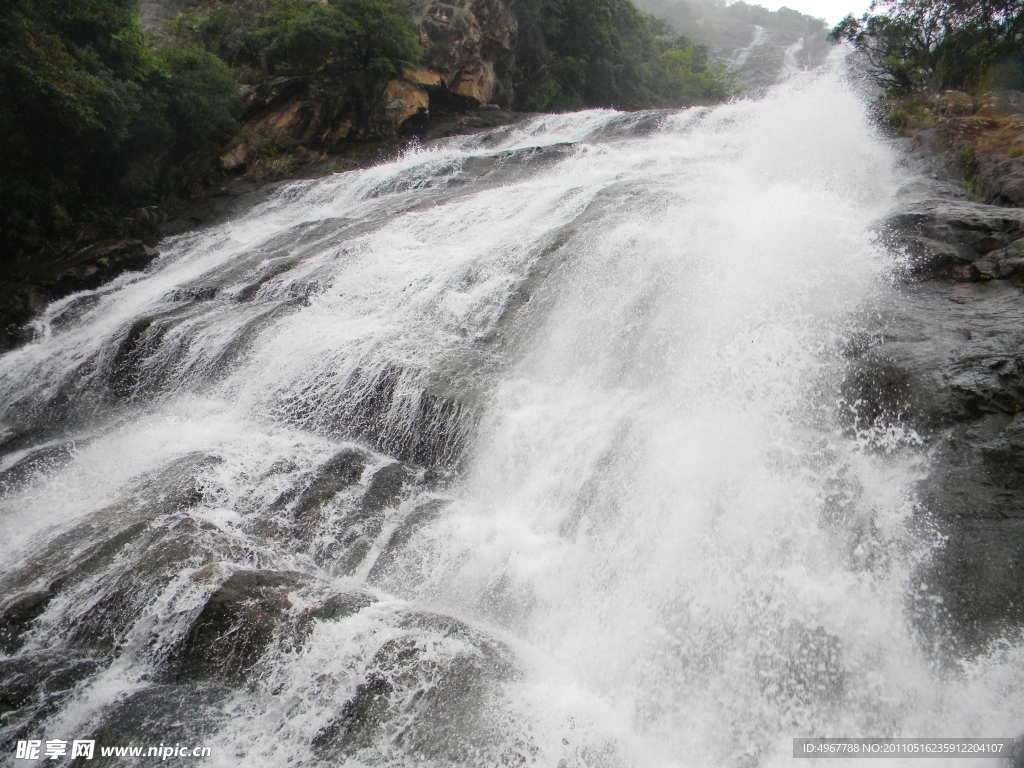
(234, 628)
(429, 685)
(946, 359)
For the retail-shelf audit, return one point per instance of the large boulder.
(956, 239)
(999, 179)
(235, 627)
(403, 100)
(432, 684)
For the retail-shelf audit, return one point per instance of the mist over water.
(549, 418)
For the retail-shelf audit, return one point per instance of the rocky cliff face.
(470, 48)
(947, 361)
(978, 139)
(470, 62)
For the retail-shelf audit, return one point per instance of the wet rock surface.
(946, 360)
(1000, 179)
(26, 291)
(18, 616)
(34, 685)
(957, 239)
(436, 677)
(234, 628)
(159, 714)
(150, 579)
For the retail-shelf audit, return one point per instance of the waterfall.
(744, 53)
(527, 448)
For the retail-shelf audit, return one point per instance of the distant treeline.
(607, 53)
(929, 45)
(96, 123)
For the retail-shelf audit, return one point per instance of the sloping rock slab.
(950, 238)
(949, 363)
(234, 628)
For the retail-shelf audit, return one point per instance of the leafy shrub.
(897, 119)
(304, 37)
(966, 156)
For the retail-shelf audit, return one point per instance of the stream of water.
(527, 448)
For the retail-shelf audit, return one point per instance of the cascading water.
(527, 448)
(744, 53)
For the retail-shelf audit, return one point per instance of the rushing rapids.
(528, 448)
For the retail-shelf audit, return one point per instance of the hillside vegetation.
(258, 39)
(101, 122)
(607, 53)
(913, 46)
(93, 120)
(758, 44)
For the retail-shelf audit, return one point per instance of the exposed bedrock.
(470, 61)
(206, 611)
(958, 240)
(947, 360)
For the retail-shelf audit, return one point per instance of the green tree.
(92, 118)
(913, 45)
(304, 37)
(607, 53)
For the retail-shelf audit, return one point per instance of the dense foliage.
(261, 38)
(915, 45)
(606, 53)
(96, 123)
(90, 117)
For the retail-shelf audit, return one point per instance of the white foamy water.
(633, 527)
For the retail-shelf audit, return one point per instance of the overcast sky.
(830, 10)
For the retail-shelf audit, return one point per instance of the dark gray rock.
(360, 718)
(340, 472)
(949, 238)
(948, 361)
(159, 714)
(112, 563)
(438, 698)
(34, 686)
(17, 618)
(36, 462)
(389, 562)
(341, 606)
(236, 626)
(1004, 264)
(356, 530)
(999, 179)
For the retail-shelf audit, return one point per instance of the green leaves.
(305, 37)
(935, 44)
(686, 77)
(606, 53)
(92, 118)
